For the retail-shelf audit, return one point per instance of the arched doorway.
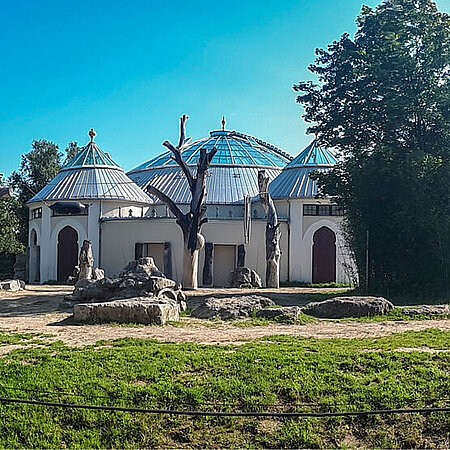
(67, 252)
(324, 256)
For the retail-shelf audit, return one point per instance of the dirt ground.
(42, 310)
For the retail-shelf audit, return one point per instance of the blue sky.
(131, 68)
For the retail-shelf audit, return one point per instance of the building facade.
(124, 222)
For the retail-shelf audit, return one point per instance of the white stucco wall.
(119, 237)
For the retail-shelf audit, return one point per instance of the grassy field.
(277, 374)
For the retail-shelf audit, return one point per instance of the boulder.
(135, 281)
(136, 310)
(285, 314)
(341, 307)
(230, 307)
(142, 267)
(244, 277)
(12, 285)
(426, 310)
(98, 274)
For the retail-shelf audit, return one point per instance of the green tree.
(71, 151)
(37, 168)
(10, 228)
(382, 100)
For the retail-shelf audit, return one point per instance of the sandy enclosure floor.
(41, 309)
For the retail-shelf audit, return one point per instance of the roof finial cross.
(92, 133)
(223, 123)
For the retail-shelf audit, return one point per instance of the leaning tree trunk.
(191, 222)
(273, 252)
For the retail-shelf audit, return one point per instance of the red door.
(324, 256)
(67, 252)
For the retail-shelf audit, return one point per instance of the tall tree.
(383, 101)
(190, 223)
(38, 167)
(71, 151)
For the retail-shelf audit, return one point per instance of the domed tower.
(317, 251)
(232, 179)
(233, 173)
(90, 185)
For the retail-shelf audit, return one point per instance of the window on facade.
(84, 213)
(36, 213)
(322, 210)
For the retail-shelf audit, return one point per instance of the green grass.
(276, 374)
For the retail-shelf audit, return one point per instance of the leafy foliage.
(383, 101)
(10, 230)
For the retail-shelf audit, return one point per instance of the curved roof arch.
(294, 181)
(92, 175)
(233, 173)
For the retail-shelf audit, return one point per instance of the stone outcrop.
(284, 314)
(342, 307)
(244, 277)
(86, 270)
(139, 279)
(426, 310)
(135, 310)
(12, 285)
(230, 307)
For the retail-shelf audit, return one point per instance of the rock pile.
(341, 307)
(244, 277)
(140, 278)
(140, 294)
(230, 307)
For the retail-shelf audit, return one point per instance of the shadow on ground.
(34, 301)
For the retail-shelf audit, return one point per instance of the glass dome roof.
(234, 149)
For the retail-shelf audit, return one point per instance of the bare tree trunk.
(192, 222)
(273, 252)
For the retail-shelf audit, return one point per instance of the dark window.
(309, 210)
(322, 210)
(36, 213)
(336, 210)
(84, 213)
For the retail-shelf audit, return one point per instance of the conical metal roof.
(92, 175)
(233, 173)
(294, 181)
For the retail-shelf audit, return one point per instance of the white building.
(123, 222)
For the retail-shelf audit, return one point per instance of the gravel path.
(40, 309)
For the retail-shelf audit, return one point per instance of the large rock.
(230, 307)
(139, 279)
(135, 310)
(426, 310)
(244, 277)
(12, 285)
(341, 307)
(285, 314)
(141, 268)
